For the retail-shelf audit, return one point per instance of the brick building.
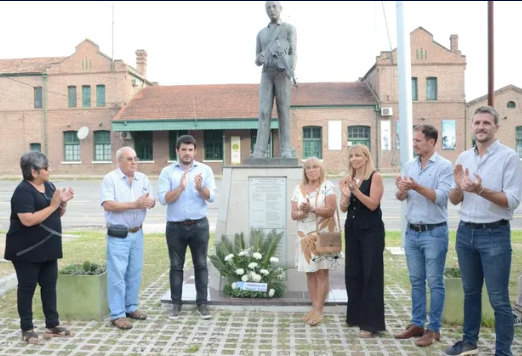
(45, 101)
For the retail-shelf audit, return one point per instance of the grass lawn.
(91, 246)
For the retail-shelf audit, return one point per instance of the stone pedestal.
(258, 196)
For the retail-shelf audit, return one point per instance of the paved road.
(84, 211)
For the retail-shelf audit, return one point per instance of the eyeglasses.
(131, 159)
(309, 168)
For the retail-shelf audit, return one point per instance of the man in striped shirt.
(425, 185)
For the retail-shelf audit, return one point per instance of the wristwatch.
(201, 188)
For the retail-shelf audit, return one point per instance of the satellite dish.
(83, 132)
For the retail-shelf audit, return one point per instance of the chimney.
(454, 41)
(141, 62)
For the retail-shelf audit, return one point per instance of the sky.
(214, 42)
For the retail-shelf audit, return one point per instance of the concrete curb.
(8, 283)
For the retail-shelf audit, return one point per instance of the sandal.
(30, 337)
(56, 332)
(365, 334)
(315, 319)
(122, 323)
(307, 316)
(137, 315)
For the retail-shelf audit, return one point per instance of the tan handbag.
(326, 242)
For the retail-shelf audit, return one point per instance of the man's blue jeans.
(426, 256)
(195, 236)
(486, 254)
(124, 266)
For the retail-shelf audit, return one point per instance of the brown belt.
(136, 229)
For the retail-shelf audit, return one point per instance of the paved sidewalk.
(239, 333)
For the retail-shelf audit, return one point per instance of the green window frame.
(86, 96)
(173, 140)
(213, 145)
(71, 95)
(511, 105)
(312, 142)
(414, 89)
(102, 146)
(431, 89)
(360, 135)
(35, 147)
(518, 141)
(143, 145)
(71, 146)
(38, 97)
(100, 96)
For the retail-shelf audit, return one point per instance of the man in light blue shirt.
(488, 185)
(125, 196)
(185, 187)
(425, 185)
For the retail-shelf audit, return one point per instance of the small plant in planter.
(86, 269)
(454, 302)
(254, 265)
(82, 291)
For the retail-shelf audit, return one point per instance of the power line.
(29, 85)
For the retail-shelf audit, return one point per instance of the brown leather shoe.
(428, 338)
(411, 331)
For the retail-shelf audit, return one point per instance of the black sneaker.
(462, 348)
(204, 312)
(517, 320)
(175, 312)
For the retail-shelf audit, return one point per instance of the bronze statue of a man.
(276, 51)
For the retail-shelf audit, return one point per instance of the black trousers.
(364, 274)
(46, 275)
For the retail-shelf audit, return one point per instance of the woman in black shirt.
(34, 242)
(362, 191)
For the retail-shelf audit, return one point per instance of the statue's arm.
(259, 50)
(292, 40)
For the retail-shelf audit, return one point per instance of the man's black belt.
(424, 227)
(486, 225)
(185, 222)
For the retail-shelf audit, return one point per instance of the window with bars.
(518, 143)
(100, 96)
(71, 146)
(71, 95)
(431, 89)
(173, 139)
(414, 89)
(253, 139)
(38, 97)
(213, 145)
(86, 96)
(102, 146)
(143, 145)
(359, 135)
(35, 147)
(312, 142)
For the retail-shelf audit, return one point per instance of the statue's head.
(273, 10)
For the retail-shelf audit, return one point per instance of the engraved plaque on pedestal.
(268, 208)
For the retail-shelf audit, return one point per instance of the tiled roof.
(28, 65)
(233, 100)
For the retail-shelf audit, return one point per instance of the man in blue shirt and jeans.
(425, 185)
(488, 183)
(185, 187)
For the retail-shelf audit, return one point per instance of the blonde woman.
(314, 198)
(362, 191)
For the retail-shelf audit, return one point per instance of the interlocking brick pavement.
(248, 332)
